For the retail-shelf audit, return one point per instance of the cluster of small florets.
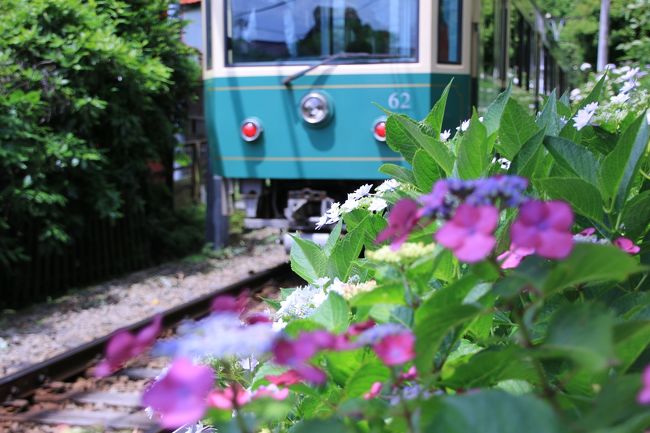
(407, 253)
(623, 92)
(301, 303)
(352, 288)
(362, 198)
(470, 211)
(448, 194)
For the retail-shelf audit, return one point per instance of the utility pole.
(603, 34)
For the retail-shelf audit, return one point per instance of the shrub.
(513, 295)
(90, 91)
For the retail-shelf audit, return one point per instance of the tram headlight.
(315, 108)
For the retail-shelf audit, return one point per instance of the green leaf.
(307, 259)
(319, 426)
(526, 159)
(517, 127)
(400, 135)
(361, 380)
(594, 95)
(636, 215)
(630, 339)
(473, 151)
(440, 313)
(488, 367)
(346, 251)
(426, 171)
(582, 196)
(384, 294)
(621, 165)
(584, 333)
(333, 238)
(589, 263)
(492, 118)
(573, 157)
(436, 115)
(489, 411)
(549, 118)
(333, 313)
(402, 174)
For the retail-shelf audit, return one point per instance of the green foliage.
(548, 346)
(90, 92)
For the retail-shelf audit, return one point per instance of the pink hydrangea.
(401, 221)
(124, 346)
(358, 328)
(470, 232)
(544, 227)
(229, 303)
(513, 256)
(375, 390)
(232, 397)
(271, 391)
(396, 349)
(288, 378)
(180, 397)
(644, 395)
(627, 245)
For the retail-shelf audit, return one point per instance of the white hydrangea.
(621, 98)
(444, 135)
(585, 67)
(575, 95)
(377, 204)
(301, 303)
(387, 185)
(584, 116)
(361, 192)
(332, 216)
(629, 86)
(464, 126)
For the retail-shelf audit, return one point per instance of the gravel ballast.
(42, 331)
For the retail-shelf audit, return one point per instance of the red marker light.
(250, 129)
(379, 130)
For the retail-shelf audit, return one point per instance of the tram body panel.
(343, 148)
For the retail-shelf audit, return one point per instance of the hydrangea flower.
(626, 245)
(197, 339)
(288, 378)
(387, 185)
(377, 204)
(444, 135)
(513, 256)
(408, 252)
(621, 98)
(124, 346)
(362, 191)
(401, 220)
(469, 234)
(232, 397)
(544, 227)
(464, 126)
(180, 397)
(585, 67)
(584, 116)
(375, 390)
(301, 303)
(396, 349)
(352, 288)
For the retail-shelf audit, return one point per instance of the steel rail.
(75, 361)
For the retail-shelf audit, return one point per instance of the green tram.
(291, 86)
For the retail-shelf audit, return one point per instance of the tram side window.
(450, 25)
(303, 31)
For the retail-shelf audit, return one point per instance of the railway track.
(60, 391)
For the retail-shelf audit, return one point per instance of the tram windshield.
(306, 31)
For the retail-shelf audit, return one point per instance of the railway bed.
(60, 391)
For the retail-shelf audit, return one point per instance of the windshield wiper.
(287, 80)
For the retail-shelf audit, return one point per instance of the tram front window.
(305, 31)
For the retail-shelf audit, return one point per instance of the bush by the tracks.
(513, 295)
(90, 93)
